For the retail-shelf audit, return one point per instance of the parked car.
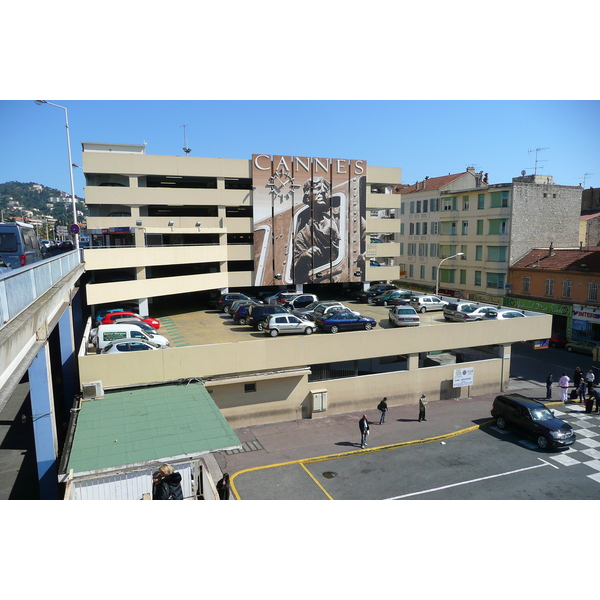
(258, 315)
(508, 314)
(102, 335)
(240, 316)
(329, 309)
(581, 346)
(280, 297)
(226, 300)
(129, 345)
(117, 316)
(300, 301)
(558, 340)
(475, 313)
(4, 267)
(391, 298)
(404, 316)
(423, 304)
(452, 308)
(19, 245)
(375, 290)
(102, 313)
(237, 303)
(308, 312)
(534, 418)
(278, 323)
(345, 320)
(143, 326)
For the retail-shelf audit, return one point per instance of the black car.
(258, 315)
(534, 418)
(375, 290)
(391, 298)
(226, 300)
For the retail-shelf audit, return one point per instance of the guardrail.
(21, 287)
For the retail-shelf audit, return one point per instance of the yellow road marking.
(312, 477)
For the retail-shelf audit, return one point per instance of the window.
(434, 273)
(433, 250)
(418, 229)
(449, 203)
(422, 249)
(495, 280)
(447, 250)
(425, 203)
(412, 207)
(479, 226)
(401, 248)
(526, 284)
(498, 199)
(448, 228)
(411, 229)
(434, 205)
(422, 271)
(549, 287)
(496, 253)
(498, 226)
(478, 252)
(402, 207)
(567, 284)
(411, 271)
(463, 276)
(401, 228)
(465, 202)
(593, 292)
(477, 278)
(418, 206)
(447, 275)
(249, 387)
(480, 201)
(465, 227)
(463, 249)
(424, 227)
(411, 249)
(435, 228)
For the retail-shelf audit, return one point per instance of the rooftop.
(561, 259)
(431, 183)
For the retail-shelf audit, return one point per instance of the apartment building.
(461, 233)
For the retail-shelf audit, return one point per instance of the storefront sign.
(463, 377)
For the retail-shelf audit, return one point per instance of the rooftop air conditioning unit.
(92, 390)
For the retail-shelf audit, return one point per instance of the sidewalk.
(278, 443)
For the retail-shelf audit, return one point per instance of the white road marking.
(445, 487)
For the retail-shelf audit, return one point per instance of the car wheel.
(368, 326)
(226, 309)
(542, 442)
(273, 333)
(423, 309)
(553, 345)
(369, 300)
(385, 303)
(260, 325)
(334, 329)
(242, 321)
(308, 330)
(500, 422)
(569, 349)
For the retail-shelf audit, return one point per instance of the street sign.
(74, 229)
(463, 377)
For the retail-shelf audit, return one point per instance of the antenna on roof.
(586, 175)
(536, 158)
(185, 144)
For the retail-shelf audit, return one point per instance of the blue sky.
(424, 138)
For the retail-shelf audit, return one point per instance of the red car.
(115, 317)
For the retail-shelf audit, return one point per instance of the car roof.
(522, 400)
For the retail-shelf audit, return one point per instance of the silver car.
(424, 303)
(281, 323)
(404, 316)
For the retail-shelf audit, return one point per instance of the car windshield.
(541, 414)
(468, 309)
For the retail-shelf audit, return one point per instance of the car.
(132, 320)
(475, 313)
(345, 320)
(280, 298)
(280, 323)
(533, 418)
(558, 340)
(129, 345)
(102, 335)
(508, 314)
(102, 313)
(113, 317)
(404, 316)
(375, 290)
(4, 267)
(324, 310)
(235, 306)
(224, 303)
(308, 312)
(19, 245)
(258, 315)
(300, 301)
(240, 316)
(391, 298)
(424, 304)
(581, 346)
(452, 308)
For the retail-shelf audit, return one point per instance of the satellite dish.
(523, 173)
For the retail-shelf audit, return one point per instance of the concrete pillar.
(44, 424)
(67, 359)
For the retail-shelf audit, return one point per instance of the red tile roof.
(586, 260)
(433, 183)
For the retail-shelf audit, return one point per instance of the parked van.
(103, 335)
(19, 244)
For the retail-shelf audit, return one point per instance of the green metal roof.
(148, 425)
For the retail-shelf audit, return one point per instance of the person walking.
(563, 383)
(589, 379)
(422, 407)
(594, 395)
(577, 377)
(223, 487)
(383, 407)
(581, 391)
(549, 382)
(363, 425)
(168, 484)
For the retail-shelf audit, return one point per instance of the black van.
(19, 244)
(257, 315)
(533, 418)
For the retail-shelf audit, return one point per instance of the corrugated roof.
(148, 425)
(433, 183)
(561, 259)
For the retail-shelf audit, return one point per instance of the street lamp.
(437, 274)
(74, 203)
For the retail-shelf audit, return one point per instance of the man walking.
(422, 406)
(363, 425)
(382, 406)
(563, 383)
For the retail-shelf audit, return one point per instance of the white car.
(129, 345)
(475, 313)
(509, 314)
(423, 304)
(281, 323)
(404, 316)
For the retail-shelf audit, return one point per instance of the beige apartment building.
(167, 226)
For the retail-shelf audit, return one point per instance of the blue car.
(345, 320)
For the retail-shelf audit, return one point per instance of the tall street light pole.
(73, 201)
(437, 274)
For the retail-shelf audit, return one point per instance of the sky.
(422, 137)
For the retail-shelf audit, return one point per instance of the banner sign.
(309, 219)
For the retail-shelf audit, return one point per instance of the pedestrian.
(589, 379)
(581, 391)
(383, 407)
(422, 407)
(577, 377)
(223, 487)
(168, 484)
(563, 383)
(363, 425)
(594, 395)
(549, 382)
